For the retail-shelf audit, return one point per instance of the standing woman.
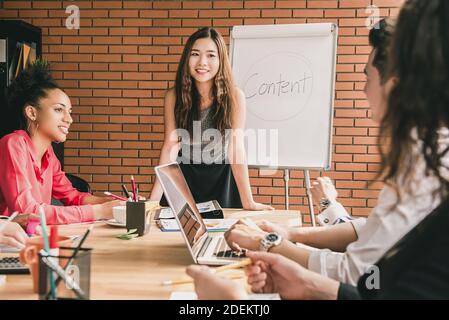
(206, 103)
(30, 173)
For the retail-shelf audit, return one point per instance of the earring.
(29, 126)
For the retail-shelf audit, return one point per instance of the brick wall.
(117, 66)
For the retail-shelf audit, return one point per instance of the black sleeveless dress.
(211, 179)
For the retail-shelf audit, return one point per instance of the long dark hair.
(187, 107)
(31, 85)
(419, 101)
(380, 39)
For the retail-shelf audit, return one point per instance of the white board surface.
(287, 73)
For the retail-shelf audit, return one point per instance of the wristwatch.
(269, 241)
(324, 204)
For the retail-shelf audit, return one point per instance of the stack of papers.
(181, 295)
(204, 207)
(212, 225)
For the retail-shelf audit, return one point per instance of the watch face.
(272, 237)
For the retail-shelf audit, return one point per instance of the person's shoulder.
(239, 94)
(170, 98)
(14, 139)
(170, 93)
(239, 97)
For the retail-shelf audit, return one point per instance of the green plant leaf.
(130, 231)
(127, 236)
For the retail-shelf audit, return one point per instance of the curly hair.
(31, 85)
(187, 107)
(419, 101)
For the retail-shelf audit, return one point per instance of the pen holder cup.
(76, 284)
(138, 215)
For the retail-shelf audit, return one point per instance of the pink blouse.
(24, 187)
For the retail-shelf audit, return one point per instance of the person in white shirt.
(344, 252)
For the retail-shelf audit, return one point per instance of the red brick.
(183, 13)
(107, 4)
(277, 13)
(354, 3)
(322, 4)
(253, 13)
(293, 4)
(33, 13)
(259, 4)
(350, 149)
(10, 14)
(213, 13)
(16, 4)
(367, 158)
(306, 13)
(124, 13)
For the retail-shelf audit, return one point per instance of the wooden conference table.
(134, 269)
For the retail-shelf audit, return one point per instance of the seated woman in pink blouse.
(30, 173)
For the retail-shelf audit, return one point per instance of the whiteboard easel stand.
(308, 192)
(286, 179)
(309, 196)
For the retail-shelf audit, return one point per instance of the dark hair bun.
(31, 85)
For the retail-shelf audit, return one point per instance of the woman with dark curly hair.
(30, 172)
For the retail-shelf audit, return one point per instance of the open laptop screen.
(181, 201)
(190, 225)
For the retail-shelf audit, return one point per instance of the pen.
(125, 191)
(133, 184)
(80, 244)
(46, 247)
(115, 196)
(186, 281)
(231, 266)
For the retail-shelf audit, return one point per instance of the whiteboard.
(287, 73)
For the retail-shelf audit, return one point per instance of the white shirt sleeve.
(358, 224)
(331, 214)
(389, 221)
(386, 224)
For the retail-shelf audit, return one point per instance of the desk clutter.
(210, 211)
(112, 266)
(212, 225)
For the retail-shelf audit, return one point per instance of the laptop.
(205, 247)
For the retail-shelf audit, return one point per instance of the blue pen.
(47, 247)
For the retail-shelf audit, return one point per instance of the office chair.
(78, 183)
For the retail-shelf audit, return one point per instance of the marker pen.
(54, 246)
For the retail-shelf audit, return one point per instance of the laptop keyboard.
(12, 265)
(221, 250)
(205, 246)
(224, 251)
